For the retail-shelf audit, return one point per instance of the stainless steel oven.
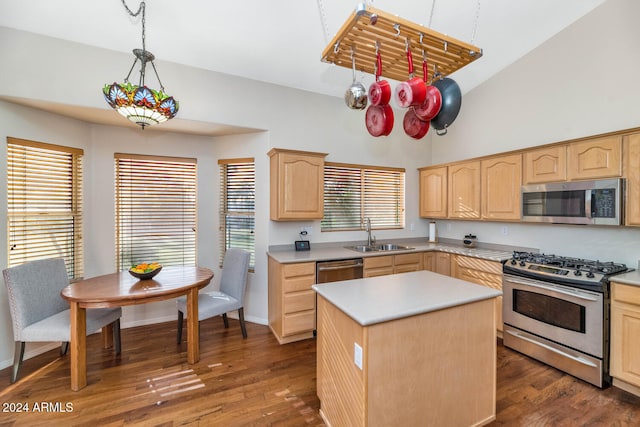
(556, 310)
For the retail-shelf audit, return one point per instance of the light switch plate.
(357, 355)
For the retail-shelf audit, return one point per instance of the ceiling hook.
(336, 47)
(397, 28)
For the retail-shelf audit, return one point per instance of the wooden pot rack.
(369, 28)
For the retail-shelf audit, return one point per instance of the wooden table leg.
(193, 335)
(78, 347)
(107, 336)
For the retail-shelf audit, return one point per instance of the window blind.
(237, 206)
(355, 192)
(44, 203)
(155, 210)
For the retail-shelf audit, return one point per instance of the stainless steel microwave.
(581, 202)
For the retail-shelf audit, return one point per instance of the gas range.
(574, 272)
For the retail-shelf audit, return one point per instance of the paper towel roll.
(432, 232)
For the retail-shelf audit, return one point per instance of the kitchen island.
(410, 349)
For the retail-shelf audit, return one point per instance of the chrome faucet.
(370, 240)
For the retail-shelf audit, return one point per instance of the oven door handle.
(555, 350)
(553, 289)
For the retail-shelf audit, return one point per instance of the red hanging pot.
(432, 102)
(380, 90)
(413, 91)
(379, 120)
(413, 126)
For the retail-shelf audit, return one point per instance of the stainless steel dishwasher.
(334, 271)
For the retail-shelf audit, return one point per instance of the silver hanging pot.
(356, 95)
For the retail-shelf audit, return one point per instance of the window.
(237, 206)
(355, 192)
(44, 203)
(155, 210)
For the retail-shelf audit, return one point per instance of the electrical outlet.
(412, 227)
(357, 355)
(505, 230)
(448, 227)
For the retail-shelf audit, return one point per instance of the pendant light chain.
(141, 9)
(475, 23)
(323, 20)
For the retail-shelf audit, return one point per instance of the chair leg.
(64, 348)
(116, 336)
(242, 325)
(226, 321)
(18, 354)
(180, 321)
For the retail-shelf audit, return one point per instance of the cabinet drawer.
(295, 284)
(625, 293)
(301, 269)
(299, 301)
(492, 267)
(413, 258)
(299, 322)
(378, 261)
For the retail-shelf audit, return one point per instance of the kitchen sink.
(378, 248)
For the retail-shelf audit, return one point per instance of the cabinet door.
(545, 165)
(429, 261)
(297, 185)
(443, 263)
(433, 192)
(501, 181)
(596, 158)
(464, 190)
(632, 173)
(404, 263)
(625, 330)
(378, 266)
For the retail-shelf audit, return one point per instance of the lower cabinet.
(625, 337)
(482, 272)
(438, 262)
(292, 302)
(392, 264)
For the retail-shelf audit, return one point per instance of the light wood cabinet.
(438, 262)
(292, 302)
(391, 264)
(403, 263)
(463, 181)
(595, 158)
(482, 272)
(632, 173)
(501, 179)
(433, 192)
(625, 336)
(377, 266)
(296, 185)
(548, 164)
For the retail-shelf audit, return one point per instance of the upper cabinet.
(632, 173)
(547, 164)
(464, 190)
(595, 158)
(501, 178)
(296, 185)
(433, 192)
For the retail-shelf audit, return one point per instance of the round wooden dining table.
(121, 289)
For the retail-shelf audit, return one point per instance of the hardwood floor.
(257, 382)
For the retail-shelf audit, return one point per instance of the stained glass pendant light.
(138, 103)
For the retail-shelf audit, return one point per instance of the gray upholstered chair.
(39, 312)
(233, 282)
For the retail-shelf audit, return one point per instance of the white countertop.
(325, 253)
(631, 278)
(380, 299)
